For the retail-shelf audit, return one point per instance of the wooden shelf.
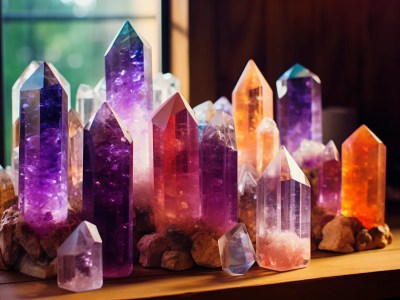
(370, 274)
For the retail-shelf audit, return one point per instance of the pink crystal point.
(329, 175)
(43, 161)
(175, 159)
(283, 215)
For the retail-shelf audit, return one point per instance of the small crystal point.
(267, 143)
(164, 86)
(80, 265)
(223, 104)
(86, 105)
(236, 251)
(99, 91)
(204, 113)
(248, 168)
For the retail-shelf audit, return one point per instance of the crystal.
(107, 189)
(86, 104)
(309, 154)
(283, 215)
(43, 150)
(99, 92)
(130, 94)
(164, 86)
(329, 175)
(218, 160)
(364, 177)
(236, 251)
(15, 167)
(223, 104)
(15, 132)
(204, 113)
(7, 194)
(267, 143)
(299, 107)
(251, 102)
(75, 160)
(246, 167)
(176, 165)
(79, 260)
(247, 189)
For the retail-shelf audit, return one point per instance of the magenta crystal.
(329, 175)
(107, 189)
(299, 107)
(218, 157)
(43, 151)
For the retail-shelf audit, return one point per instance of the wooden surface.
(363, 275)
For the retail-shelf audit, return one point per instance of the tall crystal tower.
(43, 153)
(299, 107)
(130, 94)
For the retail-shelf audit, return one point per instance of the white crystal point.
(204, 112)
(86, 102)
(267, 125)
(236, 251)
(221, 127)
(80, 261)
(330, 152)
(247, 183)
(309, 154)
(223, 104)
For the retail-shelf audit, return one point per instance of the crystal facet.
(99, 91)
(15, 168)
(204, 113)
(43, 150)
(164, 86)
(7, 194)
(283, 215)
(130, 94)
(299, 107)
(329, 175)
(309, 154)
(267, 143)
(251, 102)
(107, 189)
(248, 168)
(79, 260)
(247, 189)
(86, 102)
(176, 165)
(364, 177)
(218, 157)
(223, 104)
(236, 251)
(75, 160)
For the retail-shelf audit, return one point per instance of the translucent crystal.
(247, 168)
(86, 103)
(247, 189)
(267, 143)
(283, 215)
(79, 260)
(236, 251)
(204, 113)
(309, 154)
(15, 168)
(223, 104)
(100, 92)
(7, 194)
(164, 86)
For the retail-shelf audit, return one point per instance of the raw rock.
(8, 247)
(205, 250)
(375, 238)
(26, 237)
(178, 240)
(51, 244)
(151, 248)
(319, 218)
(339, 234)
(37, 269)
(177, 261)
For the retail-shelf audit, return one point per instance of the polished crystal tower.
(223, 104)
(329, 180)
(283, 215)
(267, 143)
(75, 160)
(107, 189)
(175, 159)
(43, 150)
(130, 94)
(204, 112)
(79, 260)
(299, 107)
(251, 102)
(218, 157)
(164, 86)
(364, 177)
(86, 102)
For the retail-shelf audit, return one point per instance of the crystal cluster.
(299, 107)
(283, 215)
(43, 161)
(218, 157)
(364, 177)
(107, 189)
(175, 160)
(79, 260)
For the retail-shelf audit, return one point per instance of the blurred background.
(352, 45)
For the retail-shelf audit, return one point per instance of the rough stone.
(8, 247)
(205, 251)
(36, 269)
(319, 218)
(178, 240)
(50, 245)
(177, 261)
(375, 238)
(26, 237)
(151, 248)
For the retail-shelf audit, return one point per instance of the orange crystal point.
(251, 102)
(364, 177)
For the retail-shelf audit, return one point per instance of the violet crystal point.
(130, 94)
(43, 151)
(330, 173)
(283, 215)
(218, 157)
(223, 104)
(79, 260)
(299, 107)
(107, 191)
(175, 159)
